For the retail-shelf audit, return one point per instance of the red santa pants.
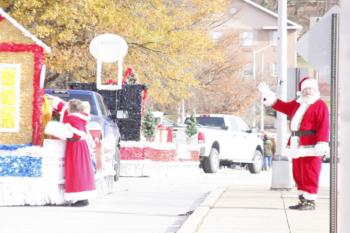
(306, 173)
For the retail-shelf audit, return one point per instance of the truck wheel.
(211, 164)
(257, 164)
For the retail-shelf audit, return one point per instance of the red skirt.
(79, 176)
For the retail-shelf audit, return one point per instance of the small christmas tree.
(148, 125)
(191, 126)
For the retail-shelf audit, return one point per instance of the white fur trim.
(55, 102)
(322, 148)
(309, 83)
(81, 116)
(64, 109)
(76, 196)
(58, 129)
(310, 196)
(301, 151)
(76, 131)
(298, 116)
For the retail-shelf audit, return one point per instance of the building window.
(273, 37)
(248, 38)
(9, 97)
(273, 69)
(247, 70)
(216, 35)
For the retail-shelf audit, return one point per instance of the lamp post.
(281, 165)
(255, 52)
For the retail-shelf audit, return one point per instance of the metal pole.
(334, 126)
(282, 72)
(255, 52)
(281, 165)
(254, 78)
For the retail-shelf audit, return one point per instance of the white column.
(254, 78)
(344, 118)
(183, 111)
(282, 74)
(262, 109)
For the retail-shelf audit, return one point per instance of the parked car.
(227, 140)
(100, 120)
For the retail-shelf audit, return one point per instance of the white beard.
(310, 99)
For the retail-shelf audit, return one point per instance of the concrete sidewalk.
(256, 209)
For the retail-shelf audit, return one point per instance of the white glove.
(322, 149)
(268, 97)
(55, 101)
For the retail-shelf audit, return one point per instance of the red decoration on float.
(1, 18)
(39, 57)
(127, 73)
(111, 82)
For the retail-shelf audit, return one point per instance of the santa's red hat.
(307, 82)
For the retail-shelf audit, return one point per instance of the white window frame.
(273, 38)
(273, 69)
(17, 68)
(248, 38)
(247, 70)
(216, 35)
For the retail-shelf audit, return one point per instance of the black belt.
(300, 133)
(73, 139)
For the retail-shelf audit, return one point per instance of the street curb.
(195, 219)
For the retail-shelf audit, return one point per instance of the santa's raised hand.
(268, 96)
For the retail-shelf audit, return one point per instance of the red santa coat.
(79, 176)
(306, 160)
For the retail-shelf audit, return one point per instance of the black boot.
(304, 205)
(80, 203)
(308, 205)
(296, 207)
(300, 203)
(301, 197)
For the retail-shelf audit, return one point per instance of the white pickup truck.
(227, 140)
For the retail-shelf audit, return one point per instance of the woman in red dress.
(79, 176)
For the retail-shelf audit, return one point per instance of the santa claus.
(308, 142)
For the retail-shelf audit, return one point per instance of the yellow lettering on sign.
(7, 98)
(8, 77)
(7, 116)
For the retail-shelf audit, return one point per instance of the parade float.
(30, 174)
(31, 165)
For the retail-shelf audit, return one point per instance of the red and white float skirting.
(138, 158)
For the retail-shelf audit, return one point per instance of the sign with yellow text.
(9, 97)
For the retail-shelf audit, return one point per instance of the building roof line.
(293, 24)
(24, 31)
